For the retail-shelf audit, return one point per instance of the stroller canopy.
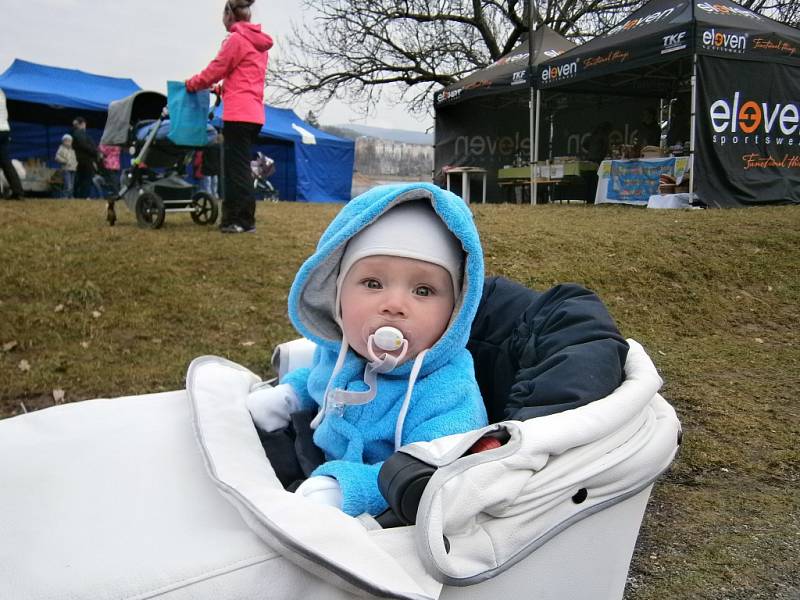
(124, 113)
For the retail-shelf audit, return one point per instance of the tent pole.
(692, 127)
(532, 158)
(535, 186)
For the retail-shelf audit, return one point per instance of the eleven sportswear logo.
(638, 22)
(553, 73)
(724, 9)
(724, 41)
(751, 116)
(446, 95)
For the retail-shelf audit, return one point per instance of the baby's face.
(412, 295)
(67, 143)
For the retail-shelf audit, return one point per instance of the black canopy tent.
(742, 72)
(479, 118)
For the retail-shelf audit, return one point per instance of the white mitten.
(322, 489)
(270, 406)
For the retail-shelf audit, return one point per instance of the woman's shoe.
(237, 229)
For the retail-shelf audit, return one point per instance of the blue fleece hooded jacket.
(445, 397)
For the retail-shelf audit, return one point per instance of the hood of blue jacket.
(313, 293)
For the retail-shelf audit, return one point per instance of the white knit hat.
(408, 230)
(66, 137)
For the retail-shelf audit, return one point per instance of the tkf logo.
(673, 42)
(642, 21)
(518, 77)
(724, 42)
(722, 9)
(750, 116)
(554, 73)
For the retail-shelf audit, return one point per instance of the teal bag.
(188, 115)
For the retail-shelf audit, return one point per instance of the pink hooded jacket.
(242, 63)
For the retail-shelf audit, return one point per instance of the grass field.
(88, 310)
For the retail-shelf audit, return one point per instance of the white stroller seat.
(171, 496)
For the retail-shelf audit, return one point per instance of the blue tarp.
(63, 88)
(311, 165)
(53, 96)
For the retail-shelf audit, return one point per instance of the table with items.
(633, 181)
(547, 175)
(466, 175)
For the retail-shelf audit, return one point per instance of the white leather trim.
(319, 538)
(495, 507)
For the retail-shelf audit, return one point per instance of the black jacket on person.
(85, 150)
(538, 353)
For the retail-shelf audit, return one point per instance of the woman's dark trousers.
(239, 204)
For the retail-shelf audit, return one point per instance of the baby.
(388, 297)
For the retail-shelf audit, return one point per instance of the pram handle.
(217, 91)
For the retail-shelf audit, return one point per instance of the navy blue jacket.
(538, 353)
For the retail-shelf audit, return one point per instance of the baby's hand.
(271, 407)
(321, 489)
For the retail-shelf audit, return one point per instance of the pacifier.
(388, 339)
(385, 338)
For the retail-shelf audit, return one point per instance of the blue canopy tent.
(43, 100)
(311, 165)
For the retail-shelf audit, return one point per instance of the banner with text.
(748, 133)
(634, 181)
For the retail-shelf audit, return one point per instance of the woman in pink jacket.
(242, 64)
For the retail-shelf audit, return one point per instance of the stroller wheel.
(205, 209)
(149, 210)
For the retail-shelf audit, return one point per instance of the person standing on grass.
(241, 65)
(5, 161)
(65, 156)
(86, 151)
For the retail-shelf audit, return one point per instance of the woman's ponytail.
(240, 9)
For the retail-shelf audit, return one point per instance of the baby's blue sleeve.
(298, 379)
(359, 483)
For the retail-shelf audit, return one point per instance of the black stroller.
(154, 184)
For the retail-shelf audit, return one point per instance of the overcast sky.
(151, 41)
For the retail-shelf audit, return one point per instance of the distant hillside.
(395, 135)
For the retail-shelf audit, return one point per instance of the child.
(110, 166)
(65, 156)
(388, 297)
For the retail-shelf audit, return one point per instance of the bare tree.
(356, 49)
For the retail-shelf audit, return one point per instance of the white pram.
(170, 496)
